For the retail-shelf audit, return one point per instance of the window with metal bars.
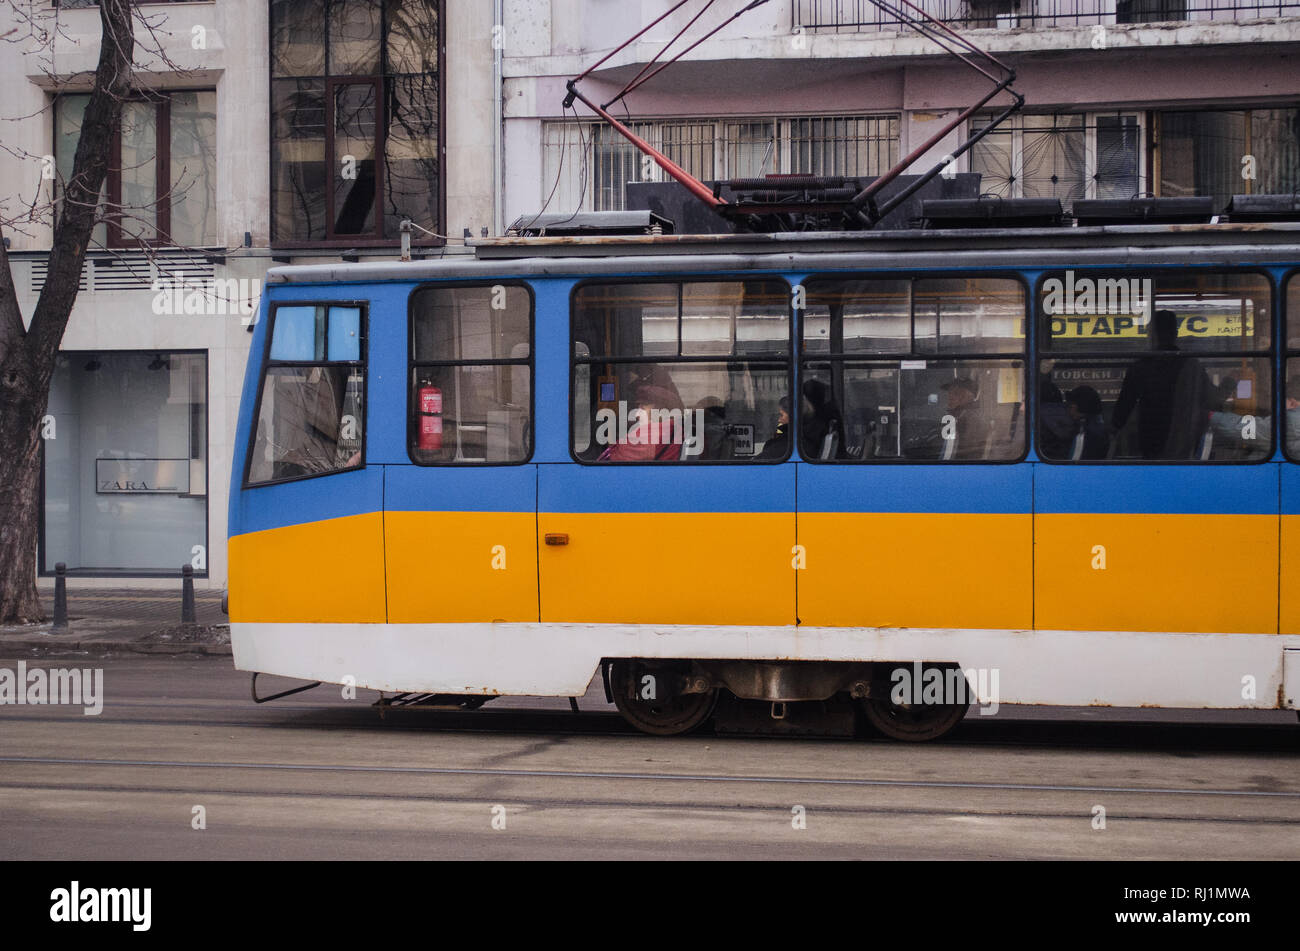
(1065, 156)
(589, 165)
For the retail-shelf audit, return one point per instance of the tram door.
(1170, 523)
(460, 515)
(1289, 437)
(306, 525)
(667, 498)
(913, 508)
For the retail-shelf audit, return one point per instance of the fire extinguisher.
(430, 418)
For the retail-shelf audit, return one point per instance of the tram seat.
(830, 442)
(1207, 445)
(1076, 448)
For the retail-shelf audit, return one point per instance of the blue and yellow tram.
(785, 468)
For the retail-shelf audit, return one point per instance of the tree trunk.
(24, 399)
(27, 355)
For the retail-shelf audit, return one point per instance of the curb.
(111, 647)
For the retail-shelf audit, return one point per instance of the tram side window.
(913, 369)
(471, 375)
(1155, 366)
(673, 372)
(311, 412)
(1291, 402)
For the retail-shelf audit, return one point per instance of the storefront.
(125, 487)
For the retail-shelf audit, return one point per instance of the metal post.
(187, 595)
(60, 597)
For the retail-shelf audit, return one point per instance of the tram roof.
(1236, 243)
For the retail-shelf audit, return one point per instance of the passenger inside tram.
(821, 423)
(1091, 438)
(1293, 417)
(779, 445)
(1056, 426)
(970, 433)
(656, 429)
(1171, 393)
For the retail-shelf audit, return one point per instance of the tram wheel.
(672, 717)
(915, 722)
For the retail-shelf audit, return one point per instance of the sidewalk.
(143, 621)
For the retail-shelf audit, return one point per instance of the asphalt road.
(315, 776)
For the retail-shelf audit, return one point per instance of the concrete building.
(1167, 97)
(304, 130)
(258, 138)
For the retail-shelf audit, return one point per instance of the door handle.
(557, 538)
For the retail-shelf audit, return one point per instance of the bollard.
(60, 597)
(187, 595)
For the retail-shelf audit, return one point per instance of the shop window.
(125, 463)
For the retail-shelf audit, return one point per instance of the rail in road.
(321, 777)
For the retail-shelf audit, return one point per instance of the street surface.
(316, 776)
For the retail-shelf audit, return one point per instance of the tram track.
(544, 774)
(1184, 739)
(544, 802)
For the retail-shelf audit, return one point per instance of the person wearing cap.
(972, 430)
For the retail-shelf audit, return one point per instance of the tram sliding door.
(914, 510)
(460, 522)
(1170, 523)
(673, 503)
(1289, 438)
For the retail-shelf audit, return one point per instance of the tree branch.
(89, 168)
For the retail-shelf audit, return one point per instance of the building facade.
(1123, 97)
(264, 132)
(276, 131)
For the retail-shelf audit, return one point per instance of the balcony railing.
(862, 16)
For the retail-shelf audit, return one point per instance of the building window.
(471, 375)
(1093, 155)
(1223, 153)
(680, 373)
(311, 413)
(1156, 367)
(590, 164)
(1150, 11)
(355, 107)
(161, 183)
(913, 370)
(125, 468)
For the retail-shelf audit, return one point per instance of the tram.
(786, 471)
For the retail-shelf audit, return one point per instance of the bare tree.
(27, 353)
